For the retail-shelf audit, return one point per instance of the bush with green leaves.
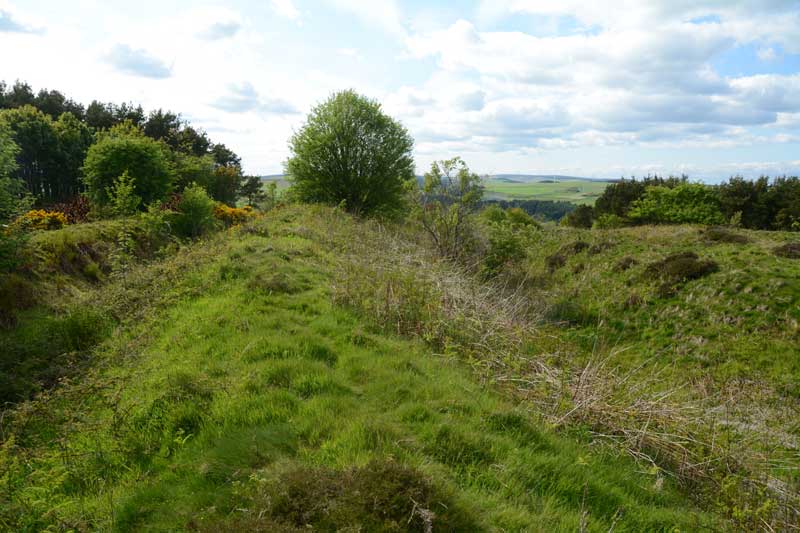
(143, 158)
(195, 215)
(449, 196)
(350, 153)
(122, 197)
(609, 221)
(581, 217)
(689, 203)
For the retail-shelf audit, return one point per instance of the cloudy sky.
(706, 87)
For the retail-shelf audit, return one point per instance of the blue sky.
(706, 87)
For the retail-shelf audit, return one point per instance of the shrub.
(232, 216)
(517, 217)
(122, 197)
(195, 214)
(569, 312)
(41, 219)
(76, 209)
(380, 496)
(689, 203)
(609, 221)
(554, 262)
(625, 263)
(445, 203)
(506, 245)
(349, 152)
(790, 250)
(678, 268)
(143, 158)
(582, 217)
(717, 234)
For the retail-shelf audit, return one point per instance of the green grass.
(576, 191)
(246, 400)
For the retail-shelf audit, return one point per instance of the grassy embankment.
(235, 393)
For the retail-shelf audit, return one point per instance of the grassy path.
(257, 405)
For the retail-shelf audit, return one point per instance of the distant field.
(575, 191)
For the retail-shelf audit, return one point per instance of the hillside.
(244, 392)
(581, 191)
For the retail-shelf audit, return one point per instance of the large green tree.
(144, 160)
(39, 158)
(350, 152)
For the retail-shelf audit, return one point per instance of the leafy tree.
(689, 203)
(13, 200)
(39, 157)
(350, 152)
(192, 141)
(581, 217)
(74, 139)
(122, 196)
(55, 104)
(19, 95)
(143, 158)
(444, 203)
(225, 184)
(163, 126)
(193, 169)
(225, 157)
(252, 188)
(100, 116)
(195, 212)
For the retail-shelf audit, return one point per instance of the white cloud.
(381, 14)
(286, 9)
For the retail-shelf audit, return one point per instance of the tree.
(581, 217)
(252, 188)
(195, 212)
(225, 184)
(350, 152)
(163, 126)
(448, 196)
(74, 139)
(143, 158)
(192, 169)
(39, 158)
(55, 104)
(689, 203)
(100, 116)
(224, 156)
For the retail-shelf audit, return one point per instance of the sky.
(710, 88)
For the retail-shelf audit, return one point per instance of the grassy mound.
(244, 398)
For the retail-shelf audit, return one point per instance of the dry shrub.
(600, 247)
(554, 262)
(720, 234)
(380, 496)
(675, 269)
(625, 263)
(789, 250)
(574, 248)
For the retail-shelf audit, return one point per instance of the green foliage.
(581, 217)
(506, 245)
(609, 221)
(349, 152)
(252, 188)
(688, 203)
(444, 204)
(122, 197)
(195, 215)
(678, 268)
(144, 160)
(225, 184)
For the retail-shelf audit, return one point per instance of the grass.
(243, 398)
(581, 192)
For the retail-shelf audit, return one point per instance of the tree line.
(761, 204)
(62, 149)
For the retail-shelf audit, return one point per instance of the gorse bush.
(232, 216)
(42, 219)
(349, 152)
(195, 215)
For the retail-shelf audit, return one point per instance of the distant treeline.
(540, 209)
(764, 204)
(53, 134)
